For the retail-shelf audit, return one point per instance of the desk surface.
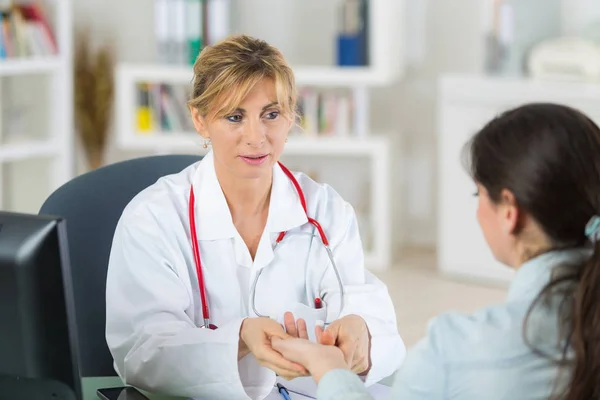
(90, 385)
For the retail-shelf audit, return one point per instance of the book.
(25, 32)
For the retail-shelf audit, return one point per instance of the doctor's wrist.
(243, 349)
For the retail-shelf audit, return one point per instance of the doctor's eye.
(234, 118)
(272, 115)
(476, 193)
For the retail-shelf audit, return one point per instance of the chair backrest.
(92, 204)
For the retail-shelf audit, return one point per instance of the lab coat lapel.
(213, 218)
(285, 213)
(285, 209)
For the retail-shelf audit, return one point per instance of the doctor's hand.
(351, 335)
(255, 337)
(319, 359)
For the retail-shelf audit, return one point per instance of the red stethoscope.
(196, 249)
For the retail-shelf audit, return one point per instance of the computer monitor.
(38, 345)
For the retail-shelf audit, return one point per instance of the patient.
(537, 172)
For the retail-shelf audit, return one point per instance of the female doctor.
(207, 265)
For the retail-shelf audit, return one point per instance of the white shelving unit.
(57, 143)
(466, 103)
(384, 66)
(14, 67)
(31, 149)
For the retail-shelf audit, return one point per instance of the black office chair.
(92, 204)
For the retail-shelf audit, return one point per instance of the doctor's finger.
(324, 337)
(360, 365)
(287, 375)
(349, 350)
(266, 355)
(283, 366)
(290, 324)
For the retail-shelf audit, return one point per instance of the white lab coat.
(153, 304)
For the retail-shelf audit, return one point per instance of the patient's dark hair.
(548, 157)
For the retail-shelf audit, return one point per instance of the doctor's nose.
(255, 134)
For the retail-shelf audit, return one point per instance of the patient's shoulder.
(493, 333)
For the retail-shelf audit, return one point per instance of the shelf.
(305, 75)
(159, 141)
(25, 66)
(477, 88)
(334, 145)
(320, 145)
(339, 76)
(27, 150)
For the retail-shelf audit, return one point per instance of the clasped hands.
(345, 343)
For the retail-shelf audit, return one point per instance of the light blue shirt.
(483, 355)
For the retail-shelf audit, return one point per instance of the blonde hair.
(225, 72)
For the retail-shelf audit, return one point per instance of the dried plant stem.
(94, 86)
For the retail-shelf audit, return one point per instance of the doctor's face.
(248, 142)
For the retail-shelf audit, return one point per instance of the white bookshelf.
(30, 149)
(52, 143)
(362, 143)
(29, 66)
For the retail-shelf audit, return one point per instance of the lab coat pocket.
(312, 316)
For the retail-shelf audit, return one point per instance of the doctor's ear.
(199, 122)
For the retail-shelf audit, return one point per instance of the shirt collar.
(213, 218)
(536, 273)
(285, 209)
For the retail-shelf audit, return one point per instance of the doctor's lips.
(254, 159)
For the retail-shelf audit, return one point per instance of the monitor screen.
(38, 343)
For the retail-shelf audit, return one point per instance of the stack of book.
(184, 27)
(162, 109)
(326, 113)
(25, 31)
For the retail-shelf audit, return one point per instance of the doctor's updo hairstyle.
(225, 72)
(548, 157)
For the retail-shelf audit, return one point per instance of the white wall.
(451, 42)
(577, 14)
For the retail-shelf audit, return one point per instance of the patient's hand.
(318, 359)
(295, 328)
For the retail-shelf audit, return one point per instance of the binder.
(352, 41)
(194, 29)
(218, 25)
(144, 111)
(179, 33)
(161, 30)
